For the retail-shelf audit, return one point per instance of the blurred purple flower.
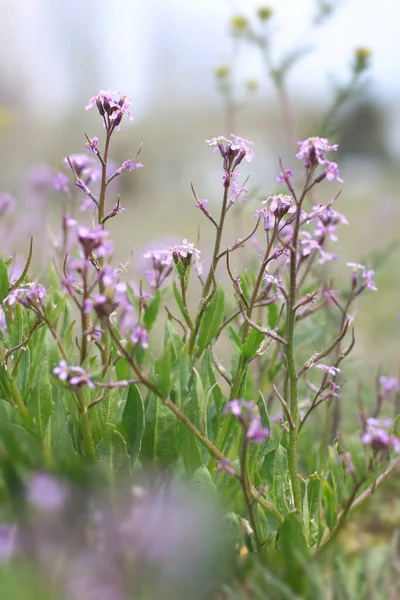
(327, 369)
(61, 183)
(128, 165)
(248, 415)
(314, 150)
(140, 336)
(45, 492)
(9, 542)
(7, 203)
(95, 239)
(28, 294)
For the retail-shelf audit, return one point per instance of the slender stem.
(214, 263)
(103, 185)
(244, 480)
(291, 365)
(85, 316)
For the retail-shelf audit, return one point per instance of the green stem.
(86, 432)
(214, 263)
(103, 185)
(244, 480)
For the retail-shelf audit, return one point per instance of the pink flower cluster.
(249, 417)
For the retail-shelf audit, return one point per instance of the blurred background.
(195, 70)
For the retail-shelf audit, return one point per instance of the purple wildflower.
(285, 176)
(389, 384)
(332, 171)
(331, 370)
(95, 239)
(314, 151)
(45, 492)
(248, 415)
(280, 204)
(75, 376)
(82, 186)
(202, 205)
(81, 163)
(93, 145)
(61, 183)
(242, 145)
(7, 202)
(377, 436)
(268, 218)
(128, 165)
(29, 294)
(366, 275)
(140, 336)
(10, 543)
(110, 109)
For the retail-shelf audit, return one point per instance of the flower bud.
(362, 59)
(239, 24)
(222, 71)
(264, 13)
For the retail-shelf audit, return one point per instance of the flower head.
(29, 294)
(94, 239)
(249, 417)
(75, 376)
(110, 108)
(314, 151)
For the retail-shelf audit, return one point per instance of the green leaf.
(5, 383)
(252, 343)
(211, 319)
(151, 312)
(190, 452)
(179, 302)
(41, 404)
(274, 470)
(58, 434)
(314, 494)
(16, 327)
(291, 534)
(159, 439)
(272, 314)
(112, 450)
(163, 370)
(4, 285)
(132, 424)
(202, 481)
(106, 411)
(330, 505)
(176, 342)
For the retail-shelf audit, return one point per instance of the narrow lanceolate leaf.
(211, 319)
(252, 343)
(190, 451)
(330, 505)
(58, 435)
(163, 369)
(112, 450)
(314, 494)
(151, 311)
(132, 424)
(159, 440)
(274, 470)
(40, 404)
(3, 280)
(202, 481)
(291, 534)
(106, 411)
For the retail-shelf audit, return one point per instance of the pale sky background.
(63, 50)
